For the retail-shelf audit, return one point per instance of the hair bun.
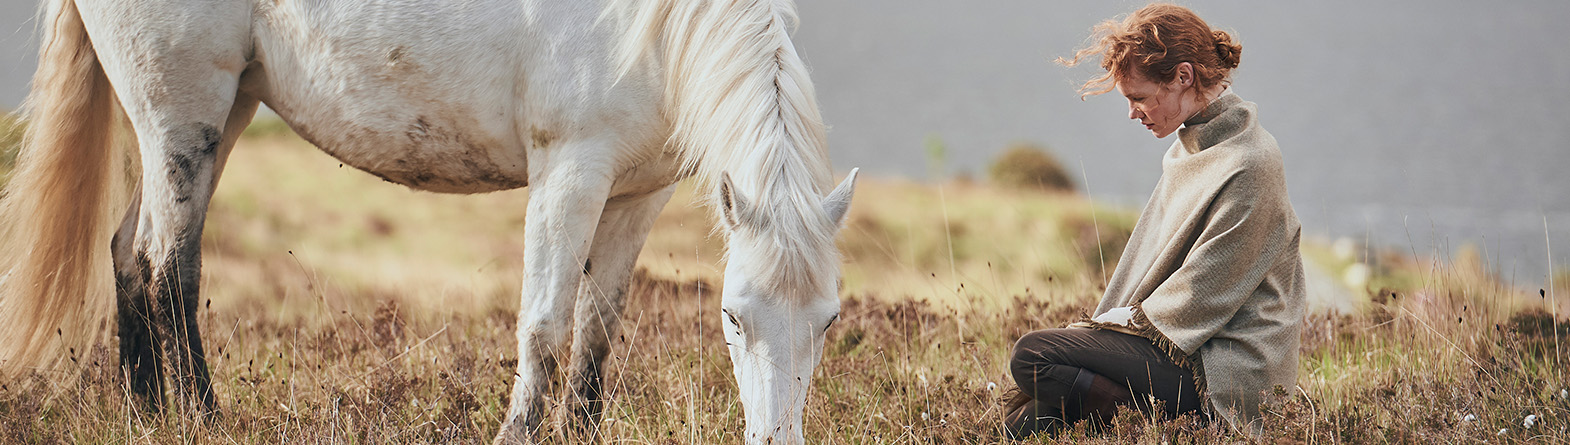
(1229, 51)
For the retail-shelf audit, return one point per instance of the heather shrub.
(1025, 165)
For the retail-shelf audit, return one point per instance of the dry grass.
(347, 310)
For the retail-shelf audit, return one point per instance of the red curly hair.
(1151, 42)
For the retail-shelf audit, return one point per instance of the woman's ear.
(1185, 75)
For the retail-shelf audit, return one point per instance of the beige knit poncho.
(1213, 264)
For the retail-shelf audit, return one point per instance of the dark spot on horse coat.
(420, 167)
(587, 266)
(186, 162)
(419, 130)
(541, 138)
(181, 174)
(421, 177)
(210, 139)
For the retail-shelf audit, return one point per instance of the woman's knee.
(1038, 354)
(1043, 346)
(1027, 349)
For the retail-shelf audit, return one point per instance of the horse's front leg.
(623, 228)
(563, 208)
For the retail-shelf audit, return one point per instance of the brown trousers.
(1073, 373)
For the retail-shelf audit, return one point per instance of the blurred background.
(1421, 140)
(1416, 126)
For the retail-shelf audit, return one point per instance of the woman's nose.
(1133, 112)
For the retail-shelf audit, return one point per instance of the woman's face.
(1161, 107)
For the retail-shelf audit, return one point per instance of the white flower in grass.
(1356, 276)
(1345, 249)
(1469, 418)
(1530, 420)
(992, 386)
(1564, 394)
(1501, 432)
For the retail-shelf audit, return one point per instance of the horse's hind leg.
(141, 361)
(176, 68)
(602, 296)
(141, 355)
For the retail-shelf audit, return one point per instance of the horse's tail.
(56, 288)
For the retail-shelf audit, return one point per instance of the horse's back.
(443, 96)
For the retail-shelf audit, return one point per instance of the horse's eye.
(732, 318)
(833, 319)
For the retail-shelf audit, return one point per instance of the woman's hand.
(1119, 316)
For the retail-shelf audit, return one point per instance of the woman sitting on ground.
(1204, 308)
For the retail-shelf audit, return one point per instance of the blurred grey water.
(1416, 125)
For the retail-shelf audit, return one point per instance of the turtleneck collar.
(1221, 103)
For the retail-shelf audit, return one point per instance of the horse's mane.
(740, 101)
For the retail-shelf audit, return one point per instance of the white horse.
(600, 109)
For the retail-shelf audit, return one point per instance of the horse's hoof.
(512, 432)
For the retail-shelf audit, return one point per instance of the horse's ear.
(837, 204)
(732, 205)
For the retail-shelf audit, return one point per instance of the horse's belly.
(405, 91)
(403, 123)
(437, 159)
(429, 155)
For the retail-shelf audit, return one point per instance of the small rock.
(1469, 418)
(994, 387)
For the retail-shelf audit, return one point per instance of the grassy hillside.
(345, 309)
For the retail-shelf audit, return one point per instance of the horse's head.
(781, 294)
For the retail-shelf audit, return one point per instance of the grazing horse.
(598, 108)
